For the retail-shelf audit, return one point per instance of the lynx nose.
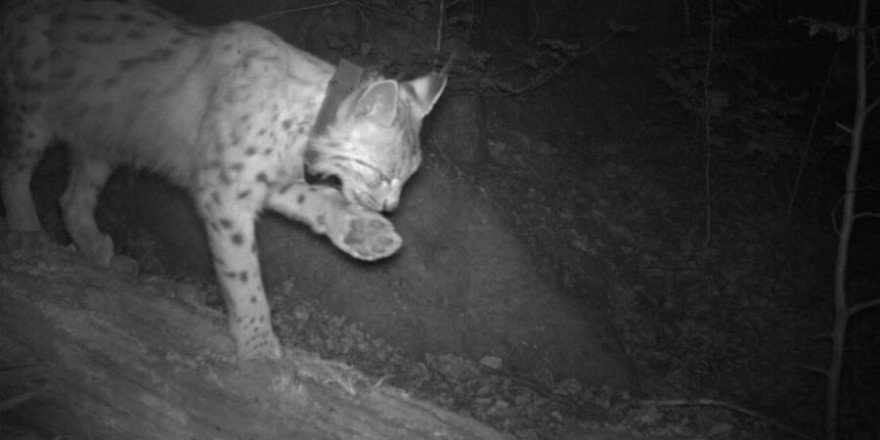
(389, 205)
(391, 196)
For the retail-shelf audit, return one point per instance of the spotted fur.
(227, 112)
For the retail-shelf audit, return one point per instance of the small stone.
(492, 362)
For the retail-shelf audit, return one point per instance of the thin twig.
(453, 3)
(537, 28)
(866, 215)
(441, 13)
(872, 106)
(861, 307)
(544, 78)
(812, 131)
(273, 15)
(841, 312)
(707, 125)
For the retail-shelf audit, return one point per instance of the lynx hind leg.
(24, 144)
(230, 228)
(359, 232)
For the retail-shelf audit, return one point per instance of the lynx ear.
(426, 91)
(378, 102)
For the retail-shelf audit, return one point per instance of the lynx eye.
(387, 182)
(372, 176)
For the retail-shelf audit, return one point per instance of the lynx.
(231, 113)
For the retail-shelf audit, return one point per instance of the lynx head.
(372, 145)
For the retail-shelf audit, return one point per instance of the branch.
(861, 307)
(866, 214)
(871, 107)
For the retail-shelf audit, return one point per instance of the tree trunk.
(90, 354)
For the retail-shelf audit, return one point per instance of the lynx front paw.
(371, 238)
(366, 235)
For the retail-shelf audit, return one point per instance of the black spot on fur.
(226, 223)
(237, 239)
(285, 188)
(301, 199)
(244, 194)
(254, 299)
(262, 177)
(286, 124)
(243, 276)
(250, 151)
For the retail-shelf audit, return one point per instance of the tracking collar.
(347, 78)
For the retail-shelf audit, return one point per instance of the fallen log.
(108, 356)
